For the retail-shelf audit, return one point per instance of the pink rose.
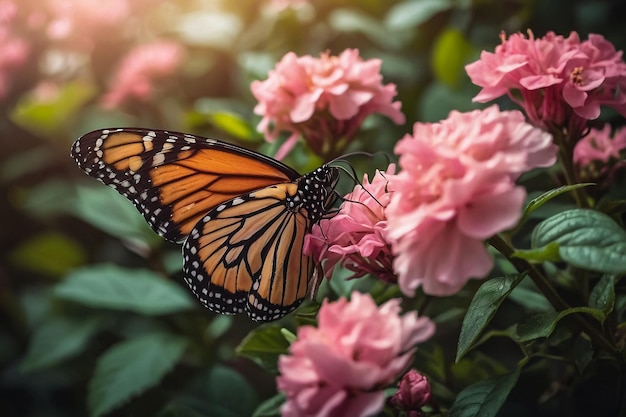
(324, 100)
(455, 189)
(560, 82)
(341, 367)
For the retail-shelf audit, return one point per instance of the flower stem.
(548, 290)
(566, 156)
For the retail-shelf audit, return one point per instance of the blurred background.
(85, 285)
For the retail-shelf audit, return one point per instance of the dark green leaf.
(263, 346)
(270, 407)
(537, 202)
(602, 296)
(484, 398)
(131, 367)
(108, 286)
(58, 339)
(105, 209)
(482, 309)
(583, 352)
(543, 324)
(587, 239)
(220, 392)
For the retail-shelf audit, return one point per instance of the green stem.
(548, 290)
(566, 156)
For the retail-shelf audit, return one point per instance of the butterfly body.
(242, 215)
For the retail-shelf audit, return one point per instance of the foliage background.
(93, 311)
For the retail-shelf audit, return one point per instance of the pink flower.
(455, 189)
(140, 69)
(79, 20)
(355, 236)
(600, 146)
(413, 393)
(561, 81)
(14, 50)
(341, 367)
(325, 100)
(280, 5)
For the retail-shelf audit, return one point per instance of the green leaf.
(105, 209)
(543, 324)
(112, 287)
(537, 202)
(270, 407)
(484, 398)
(482, 309)
(58, 339)
(233, 124)
(450, 53)
(263, 345)
(51, 116)
(583, 352)
(548, 253)
(131, 367)
(355, 20)
(602, 296)
(527, 296)
(587, 239)
(49, 253)
(412, 13)
(220, 392)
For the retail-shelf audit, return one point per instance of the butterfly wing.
(246, 254)
(173, 178)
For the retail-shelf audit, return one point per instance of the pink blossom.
(600, 145)
(355, 236)
(80, 20)
(413, 393)
(14, 49)
(561, 81)
(140, 69)
(341, 367)
(455, 189)
(280, 5)
(323, 99)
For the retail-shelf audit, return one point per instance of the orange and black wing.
(246, 254)
(174, 179)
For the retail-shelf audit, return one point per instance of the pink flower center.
(576, 76)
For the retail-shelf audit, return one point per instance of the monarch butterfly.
(242, 215)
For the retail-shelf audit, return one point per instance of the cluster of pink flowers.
(355, 237)
(14, 50)
(140, 69)
(455, 189)
(342, 366)
(325, 100)
(600, 145)
(426, 225)
(562, 81)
